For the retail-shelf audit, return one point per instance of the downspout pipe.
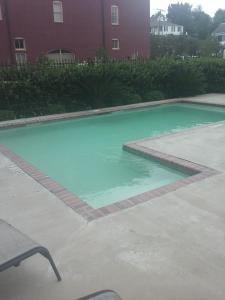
(9, 32)
(103, 23)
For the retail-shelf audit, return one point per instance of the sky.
(208, 6)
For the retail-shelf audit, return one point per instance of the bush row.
(46, 89)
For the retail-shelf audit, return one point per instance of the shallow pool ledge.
(195, 171)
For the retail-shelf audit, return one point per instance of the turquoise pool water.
(85, 155)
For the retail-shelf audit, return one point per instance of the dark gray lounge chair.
(103, 295)
(16, 247)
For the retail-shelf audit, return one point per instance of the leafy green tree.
(158, 16)
(202, 23)
(209, 47)
(181, 13)
(219, 17)
(195, 21)
(175, 46)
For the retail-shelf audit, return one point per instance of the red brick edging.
(89, 213)
(197, 172)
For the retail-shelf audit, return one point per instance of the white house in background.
(163, 27)
(219, 33)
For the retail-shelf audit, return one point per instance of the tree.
(159, 16)
(175, 46)
(219, 17)
(202, 23)
(209, 47)
(195, 21)
(181, 14)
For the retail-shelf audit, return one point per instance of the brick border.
(96, 112)
(89, 213)
(197, 172)
(83, 114)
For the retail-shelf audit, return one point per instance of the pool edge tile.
(89, 213)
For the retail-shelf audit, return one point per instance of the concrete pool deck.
(172, 247)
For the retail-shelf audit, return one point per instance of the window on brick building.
(1, 16)
(21, 58)
(115, 15)
(19, 44)
(115, 44)
(61, 56)
(58, 11)
(20, 51)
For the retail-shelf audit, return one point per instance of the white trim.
(118, 44)
(21, 57)
(115, 14)
(57, 6)
(60, 55)
(24, 44)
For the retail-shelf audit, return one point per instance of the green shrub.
(214, 72)
(131, 99)
(99, 86)
(7, 115)
(47, 89)
(55, 109)
(182, 78)
(154, 96)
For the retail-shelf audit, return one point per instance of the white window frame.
(24, 44)
(21, 57)
(60, 53)
(57, 11)
(118, 44)
(1, 14)
(115, 14)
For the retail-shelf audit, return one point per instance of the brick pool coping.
(197, 172)
(82, 114)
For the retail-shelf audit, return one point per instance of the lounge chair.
(16, 247)
(103, 295)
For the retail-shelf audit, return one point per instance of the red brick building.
(72, 28)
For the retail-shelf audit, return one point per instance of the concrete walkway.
(171, 248)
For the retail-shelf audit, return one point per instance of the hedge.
(47, 89)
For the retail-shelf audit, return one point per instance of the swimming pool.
(86, 156)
